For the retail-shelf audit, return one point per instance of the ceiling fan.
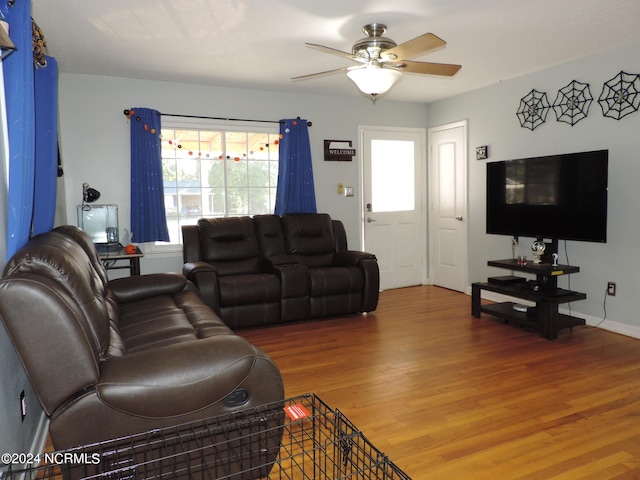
(382, 61)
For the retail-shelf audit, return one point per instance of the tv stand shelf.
(544, 317)
(544, 269)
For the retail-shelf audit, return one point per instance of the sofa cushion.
(152, 323)
(82, 239)
(230, 244)
(171, 382)
(310, 237)
(47, 328)
(165, 320)
(270, 235)
(249, 289)
(59, 258)
(334, 280)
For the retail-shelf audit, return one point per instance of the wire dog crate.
(297, 439)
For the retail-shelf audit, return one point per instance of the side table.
(110, 260)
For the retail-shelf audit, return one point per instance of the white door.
(394, 226)
(448, 206)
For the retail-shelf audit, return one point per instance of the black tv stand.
(544, 292)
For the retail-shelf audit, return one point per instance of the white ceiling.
(260, 44)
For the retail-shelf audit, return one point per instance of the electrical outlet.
(23, 405)
(611, 289)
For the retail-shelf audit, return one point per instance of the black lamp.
(89, 195)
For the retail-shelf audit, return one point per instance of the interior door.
(394, 226)
(448, 241)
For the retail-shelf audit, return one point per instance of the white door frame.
(464, 125)
(422, 184)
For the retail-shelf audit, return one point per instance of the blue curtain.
(295, 191)
(46, 146)
(19, 94)
(148, 217)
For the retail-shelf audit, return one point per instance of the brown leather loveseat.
(268, 269)
(113, 358)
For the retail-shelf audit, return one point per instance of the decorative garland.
(174, 143)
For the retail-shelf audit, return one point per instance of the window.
(217, 172)
(392, 174)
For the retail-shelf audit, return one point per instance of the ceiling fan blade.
(335, 51)
(445, 69)
(414, 48)
(321, 74)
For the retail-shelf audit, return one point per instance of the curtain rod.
(224, 118)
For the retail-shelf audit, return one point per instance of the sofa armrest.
(179, 378)
(294, 279)
(351, 257)
(205, 277)
(144, 286)
(371, 289)
(190, 268)
(368, 265)
(284, 259)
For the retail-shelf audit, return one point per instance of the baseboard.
(607, 324)
(613, 326)
(38, 445)
(42, 432)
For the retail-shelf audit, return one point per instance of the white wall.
(491, 113)
(95, 137)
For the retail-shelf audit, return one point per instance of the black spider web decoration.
(533, 109)
(572, 102)
(620, 96)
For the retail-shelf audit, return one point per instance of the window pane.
(173, 224)
(236, 173)
(392, 176)
(258, 173)
(273, 169)
(186, 142)
(258, 145)
(210, 144)
(238, 201)
(259, 200)
(212, 173)
(236, 145)
(215, 203)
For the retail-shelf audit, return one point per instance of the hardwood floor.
(447, 396)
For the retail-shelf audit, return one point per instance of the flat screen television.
(558, 197)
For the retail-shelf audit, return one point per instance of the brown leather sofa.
(113, 358)
(268, 269)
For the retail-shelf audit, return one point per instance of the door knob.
(459, 218)
(369, 220)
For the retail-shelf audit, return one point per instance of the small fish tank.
(101, 223)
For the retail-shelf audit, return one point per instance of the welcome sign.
(338, 150)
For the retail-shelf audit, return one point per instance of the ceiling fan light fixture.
(374, 80)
